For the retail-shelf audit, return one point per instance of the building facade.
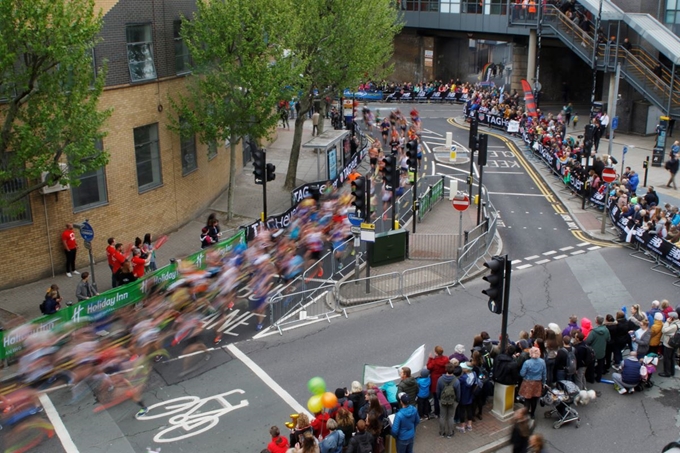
(155, 180)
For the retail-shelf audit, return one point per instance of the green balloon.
(314, 404)
(316, 385)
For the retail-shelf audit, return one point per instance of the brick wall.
(407, 57)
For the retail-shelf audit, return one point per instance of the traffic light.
(391, 177)
(359, 193)
(496, 281)
(259, 159)
(483, 144)
(472, 143)
(412, 155)
(271, 175)
(588, 138)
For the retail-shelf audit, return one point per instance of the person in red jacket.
(117, 261)
(68, 240)
(138, 263)
(279, 444)
(110, 252)
(436, 363)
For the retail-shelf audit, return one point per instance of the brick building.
(155, 181)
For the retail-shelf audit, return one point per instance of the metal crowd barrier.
(428, 278)
(311, 304)
(368, 291)
(427, 246)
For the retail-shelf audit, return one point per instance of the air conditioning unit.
(57, 187)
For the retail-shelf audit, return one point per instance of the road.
(273, 370)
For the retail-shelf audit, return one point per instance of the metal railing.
(428, 278)
(368, 290)
(301, 306)
(426, 246)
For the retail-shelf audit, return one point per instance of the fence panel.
(300, 306)
(369, 290)
(428, 278)
(433, 246)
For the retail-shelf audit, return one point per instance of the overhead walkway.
(659, 83)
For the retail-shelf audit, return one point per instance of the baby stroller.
(649, 363)
(561, 397)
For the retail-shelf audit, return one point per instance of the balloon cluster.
(320, 398)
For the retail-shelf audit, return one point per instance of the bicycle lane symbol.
(189, 421)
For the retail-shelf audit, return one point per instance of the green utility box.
(389, 247)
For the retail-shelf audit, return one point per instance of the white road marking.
(58, 424)
(552, 252)
(595, 247)
(564, 249)
(582, 244)
(559, 257)
(432, 132)
(517, 194)
(524, 266)
(271, 383)
(578, 252)
(268, 332)
(532, 257)
(542, 262)
(503, 172)
(515, 261)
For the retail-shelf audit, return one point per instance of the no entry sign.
(461, 202)
(608, 174)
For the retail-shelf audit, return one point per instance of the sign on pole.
(86, 232)
(609, 175)
(461, 202)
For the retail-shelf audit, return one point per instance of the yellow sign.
(367, 226)
(452, 155)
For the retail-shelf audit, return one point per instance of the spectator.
(335, 441)
(450, 401)
(345, 422)
(597, 339)
(586, 326)
(665, 308)
(278, 443)
(54, 287)
(357, 397)
(651, 198)
(408, 385)
(629, 377)
(148, 248)
(573, 324)
(655, 335)
(85, 290)
(459, 354)
(138, 263)
(667, 331)
(636, 315)
(536, 443)
(110, 257)
(534, 376)
(505, 369)
(404, 426)
(302, 426)
(424, 385)
(118, 259)
(308, 444)
(672, 165)
(125, 274)
(633, 182)
(436, 363)
(654, 310)
(641, 338)
(581, 358)
(562, 362)
(315, 123)
(50, 305)
(466, 402)
(362, 440)
(521, 431)
(68, 240)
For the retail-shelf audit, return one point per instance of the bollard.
(503, 401)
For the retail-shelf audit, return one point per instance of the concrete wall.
(409, 57)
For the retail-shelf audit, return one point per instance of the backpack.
(571, 365)
(590, 356)
(448, 396)
(364, 445)
(674, 341)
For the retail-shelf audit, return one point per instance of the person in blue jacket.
(424, 382)
(404, 426)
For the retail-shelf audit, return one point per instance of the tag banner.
(381, 374)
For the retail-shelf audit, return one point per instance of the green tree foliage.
(337, 44)
(239, 69)
(48, 93)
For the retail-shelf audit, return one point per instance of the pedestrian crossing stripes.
(552, 255)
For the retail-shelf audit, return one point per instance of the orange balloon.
(329, 400)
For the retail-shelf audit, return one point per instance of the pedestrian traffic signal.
(390, 177)
(359, 193)
(472, 143)
(271, 172)
(482, 144)
(412, 155)
(496, 280)
(259, 159)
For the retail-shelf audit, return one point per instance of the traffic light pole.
(369, 245)
(416, 206)
(506, 303)
(264, 190)
(481, 160)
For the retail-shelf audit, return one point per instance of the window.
(18, 213)
(212, 150)
(147, 156)
(182, 59)
(188, 149)
(92, 189)
(140, 52)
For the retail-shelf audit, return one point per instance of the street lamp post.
(594, 60)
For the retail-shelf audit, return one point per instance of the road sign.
(609, 174)
(625, 149)
(461, 202)
(354, 219)
(615, 123)
(367, 226)
(86, 232)
(453, 153)
(355, 230)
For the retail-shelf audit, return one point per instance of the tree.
(48, 94)
(238, 73)
(337, 44)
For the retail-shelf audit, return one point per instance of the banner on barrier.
(381, 374)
